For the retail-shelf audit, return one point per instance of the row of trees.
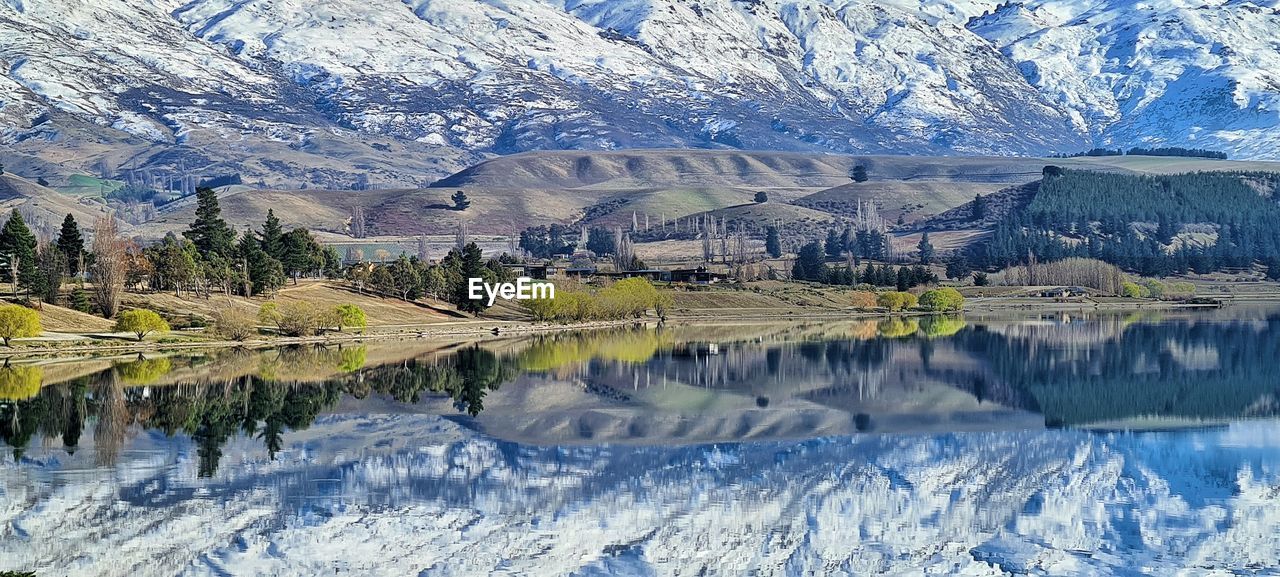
(1158, 151)
(409, 278)
(628, 298)
(811, 265)
(208, 257)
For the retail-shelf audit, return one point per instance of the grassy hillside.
(605, 188)
(44, 208)
(631, 169)
(381, 312)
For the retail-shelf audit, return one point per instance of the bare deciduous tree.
(108, 265)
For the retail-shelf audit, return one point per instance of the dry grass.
(64, 320)
(380, 312)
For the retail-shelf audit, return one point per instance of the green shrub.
(942, 299)
(18, 322)
(896, 300)
(141, 322)
(1133, 290)
(350, 316)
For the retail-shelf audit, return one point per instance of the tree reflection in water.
(1074, 372)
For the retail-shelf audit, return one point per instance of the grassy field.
(85, 185)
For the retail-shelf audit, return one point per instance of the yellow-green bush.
(18, 322)
(942, 299)
(141, 322)
(896, 300)
(1133, 290)
(629, 298)
(350, 316)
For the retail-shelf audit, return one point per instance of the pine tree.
(762, 196)
(272, 236)
(211, 234)
(460, 201)
(958, 267)
(18, 248)
(471, 265)
(809, 264)
(300, 253)
(833, 245)
(71, 243)
(979, 210)
(265, 274)
(926, 249)
(903, 278)
(772, 244)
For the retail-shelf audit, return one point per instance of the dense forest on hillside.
(1138, 151)
(1143, 222)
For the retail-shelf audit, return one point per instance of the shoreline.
(483, 327)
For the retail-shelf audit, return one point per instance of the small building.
(653, 275)
(532, 270)
(700, 275)
(580, 272)
(1064, 292)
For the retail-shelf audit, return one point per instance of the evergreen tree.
(264, 273)
(979, 209)
(460, 201)
(211, 234)
(470, 265)
(833, 245)
(300, 253)
(859, 173)
(18, 249)
(958, 267)
(926, 249)
(71, 243)
(810, 264)
(772, 244)
(272, 236)
(761, 197)
(601, 242)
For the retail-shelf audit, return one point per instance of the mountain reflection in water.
(681, 384)
(722, 449)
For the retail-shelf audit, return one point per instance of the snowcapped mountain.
(458, 79)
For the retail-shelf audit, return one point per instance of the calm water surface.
(1072, 444)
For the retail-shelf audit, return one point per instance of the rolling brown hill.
(510, 193)
(44, 208)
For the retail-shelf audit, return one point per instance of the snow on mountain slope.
(501, 76)
(1192, 73)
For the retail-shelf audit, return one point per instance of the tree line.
(1158, 151)
(1135, 222)
(208, 257)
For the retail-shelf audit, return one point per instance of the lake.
(1080, 443)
